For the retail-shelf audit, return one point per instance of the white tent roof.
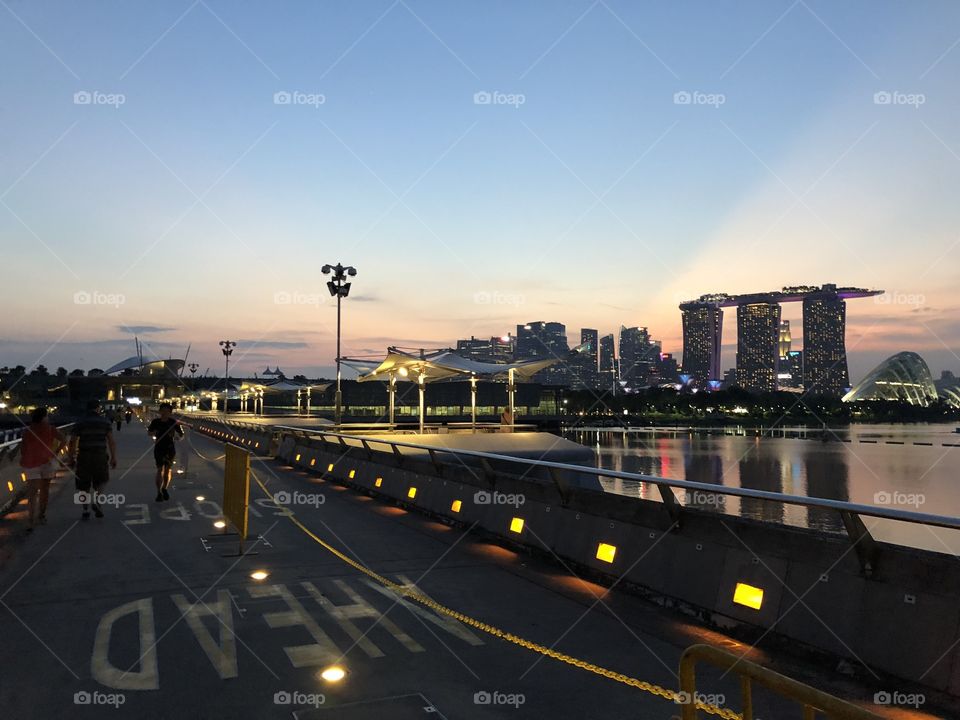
(443, 364)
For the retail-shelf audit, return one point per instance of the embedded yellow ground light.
(606, 552)
(516, 525)
(333, 674)
(455, 507)
(259, 575)
(748, 596)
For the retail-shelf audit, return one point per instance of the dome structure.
(949, 391)
(903, 377)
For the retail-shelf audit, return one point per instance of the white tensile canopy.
(430, 366)
(443, 365)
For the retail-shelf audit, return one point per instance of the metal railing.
(811, 700)
(851, 514)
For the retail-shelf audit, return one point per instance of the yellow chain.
(412, 594)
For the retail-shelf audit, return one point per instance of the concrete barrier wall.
(12, 485)
(903, 620)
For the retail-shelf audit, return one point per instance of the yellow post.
(236, 488)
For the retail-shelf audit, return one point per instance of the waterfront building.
(824, 344)
(608, 371)
(542, 341)
(903, 377)
(702, 331)
(758, 337)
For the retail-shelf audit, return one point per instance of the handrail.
(10, 443)
(811, 699)
(943, 521)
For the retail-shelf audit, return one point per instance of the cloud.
(364, 298)
(143, 329)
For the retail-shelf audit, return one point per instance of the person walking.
(38, 458)
(164, 430)
(90, 441)
(119, 418)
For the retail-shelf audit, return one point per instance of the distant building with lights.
(608, 364)
(824, 344)
(585, 368)
(758, 346)
(702, 330)
(542, 341)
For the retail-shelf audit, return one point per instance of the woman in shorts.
(38, 457)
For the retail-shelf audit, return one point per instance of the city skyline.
(180, 173)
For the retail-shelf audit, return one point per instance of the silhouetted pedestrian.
(38, 458)
(90, 441)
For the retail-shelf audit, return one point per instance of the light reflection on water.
(869, 469)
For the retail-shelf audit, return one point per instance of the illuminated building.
(758, 346)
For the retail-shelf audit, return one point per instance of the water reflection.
(879, 461)
(760, 469)
(827, 477)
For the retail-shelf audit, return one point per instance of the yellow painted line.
(413, 594)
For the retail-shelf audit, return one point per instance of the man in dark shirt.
(90, 439)
(164, 429)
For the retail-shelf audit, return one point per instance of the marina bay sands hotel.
(758, 335)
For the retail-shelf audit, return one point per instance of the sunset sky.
(155, 182)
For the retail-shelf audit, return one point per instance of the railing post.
(863, 542)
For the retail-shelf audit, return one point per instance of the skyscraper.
(638, 356)
(758, 346)
(495, 350)
(608, 376)
(824, 344)
(785, 339)
(584, 370)
(544, 341)
(702, 328)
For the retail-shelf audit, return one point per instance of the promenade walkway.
(134, 615)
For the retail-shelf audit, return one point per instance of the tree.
(76, 373)
(40, 371)
(61, 372)
(95, 372)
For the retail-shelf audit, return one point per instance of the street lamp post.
(339, 288)
(227, 347)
